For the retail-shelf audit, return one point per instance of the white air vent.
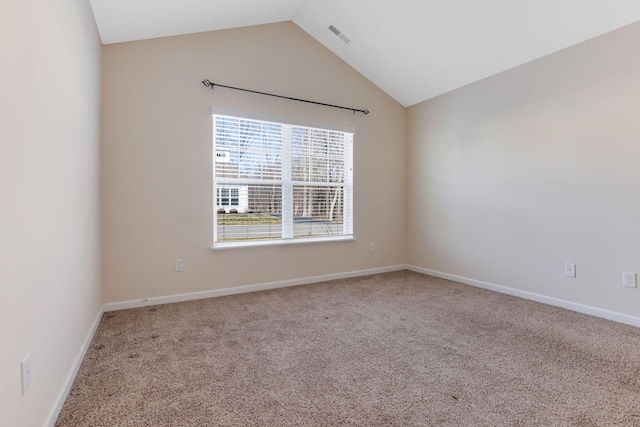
(338, 33)
(334, 30)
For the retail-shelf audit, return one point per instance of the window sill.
(281, 242)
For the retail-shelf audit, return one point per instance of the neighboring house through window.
(228, 198)
(277, 182)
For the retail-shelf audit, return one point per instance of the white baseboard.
(580, 308)
(62, 396)
(123, 305)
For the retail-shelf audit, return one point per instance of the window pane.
(262, 218)
(317, 155)
(317, 211)
(247, 149)
(235, 193)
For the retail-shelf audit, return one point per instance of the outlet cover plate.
(629, 279)
(569, 269)
(25, 373)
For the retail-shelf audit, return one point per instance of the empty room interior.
(319, 212)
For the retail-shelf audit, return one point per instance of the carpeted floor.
(395, 349)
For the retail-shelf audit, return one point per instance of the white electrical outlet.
(25, 373)
(629, 279)
(569, 269)
(179, 264)
(372, 247)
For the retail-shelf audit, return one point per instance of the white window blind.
(277, 182)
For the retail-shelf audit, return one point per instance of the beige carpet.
(396, 349)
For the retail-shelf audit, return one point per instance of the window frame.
(348, 183)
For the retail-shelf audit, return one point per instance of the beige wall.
(157, 158)
(513, 176)
(50, 289)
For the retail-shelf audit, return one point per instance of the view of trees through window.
(278, 181)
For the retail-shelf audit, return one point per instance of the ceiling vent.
(338, 33)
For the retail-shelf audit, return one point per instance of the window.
(228, 198)
(278, 182)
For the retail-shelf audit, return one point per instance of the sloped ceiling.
(412, 49)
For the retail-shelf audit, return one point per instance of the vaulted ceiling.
(412, 49)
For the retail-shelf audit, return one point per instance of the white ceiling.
(412, 49)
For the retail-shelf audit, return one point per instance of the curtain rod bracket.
(210, 84)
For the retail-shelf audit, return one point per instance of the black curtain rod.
(355, 110)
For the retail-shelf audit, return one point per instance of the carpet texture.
(394, 349)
